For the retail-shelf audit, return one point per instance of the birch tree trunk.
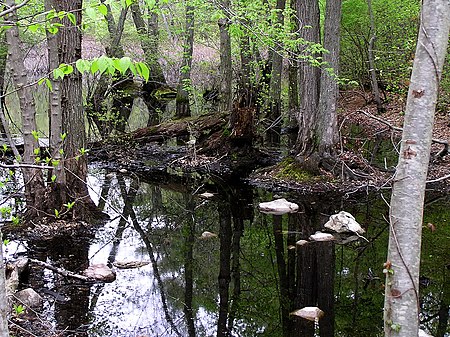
(401, 309)
(4, 332)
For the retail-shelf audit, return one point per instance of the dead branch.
(62, 271)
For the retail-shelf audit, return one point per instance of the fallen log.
(198, 128)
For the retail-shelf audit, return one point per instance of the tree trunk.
(293, 103)
(33, 178)
(225, 58)
(373, 69)
(4, 332)
(329, 89)
(149, 37)
(73, 124)
(55, 112)
(274, 115)
(401, 311)
(309, 24)
(184, 85)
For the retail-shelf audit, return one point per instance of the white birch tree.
(401, 309)
(4, 332)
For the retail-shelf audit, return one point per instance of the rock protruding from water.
(319, 236)
(344, 222)
(29, 298)
(309, 313)
(278, 207)
(100, 272)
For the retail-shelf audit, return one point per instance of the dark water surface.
(247, 275)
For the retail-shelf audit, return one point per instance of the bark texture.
(329, 90)
(33, 178)
(309, 20)
(406, 213)
(72, 186)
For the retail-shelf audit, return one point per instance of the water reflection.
(244, 279)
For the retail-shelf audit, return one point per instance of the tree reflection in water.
(244, 281)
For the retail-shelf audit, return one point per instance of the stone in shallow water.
(309, 313)
(344, 222)
(278, 207)
(319, 236)
(207, 235)
(29, 298)
(100, 272)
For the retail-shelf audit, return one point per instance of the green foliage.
(396, 25)
(19, 309)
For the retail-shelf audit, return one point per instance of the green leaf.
(35, 134)
(49, 84)
(53, 178)
(151, 4)
(124, 64)
(34, 28)
(52, 29)
(58, 73)
(94, 67)
(72, 18)
(56, 213)
(103, 9)
(143, 70)
(66, 68)
(51, 14)
(102, 64)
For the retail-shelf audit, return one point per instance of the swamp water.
(219, 267)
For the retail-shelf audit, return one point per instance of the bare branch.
(13, 8)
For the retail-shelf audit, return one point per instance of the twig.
(438, 179)
(13, 8)
(18, 166)
(441, 153)
(62, 271)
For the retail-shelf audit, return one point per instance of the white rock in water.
(301, 242)
(29, 298)
(207, 235)
(100, 272)
(206, 195)
(319, 236)
(309, 313)
(423, 334)
(344, 222)
(278, 207)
